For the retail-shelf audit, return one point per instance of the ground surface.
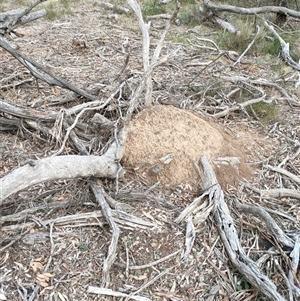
(47, 258)
(165, 130)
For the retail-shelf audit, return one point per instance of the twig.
(148, 66)
(16, 239)
(153, 263)
(112, 250)
(189, 238)
(124, 220)
(284, 172)
(24, 213)
(27, 113)
(151, 281)
(249, 46)
(270, 223)
(275, 193)
(285, 279)
(250, 11)
(146, 47)
(119, 151)
(211, 250)
(26, 11)
(294, 255)
(52, 248)
(127, 262)
(239, 106)
(109, 292)
(285, 48)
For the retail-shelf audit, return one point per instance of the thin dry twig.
(112, 250)
(153, 263)
(285, 48)
(110, 292)
(150, 282)
(249, 46)
(284, 172)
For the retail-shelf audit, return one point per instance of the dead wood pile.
(74, 128)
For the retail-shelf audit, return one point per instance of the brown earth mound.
(165, 130)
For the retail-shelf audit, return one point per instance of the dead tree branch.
(250, 11)
(55, 168)
(42, 73)
(149, 65)
(146, 47)
(230, 239)
(112, 250)
(285, 48)
(228, 233)
(14, 18)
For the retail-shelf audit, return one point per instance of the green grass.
(263, 111)
(58, 9)
(241, 283)
(274, 47)
(190, 15)
(83, 247)
(266, 112)
(152, 7)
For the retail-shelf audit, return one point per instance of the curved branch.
(251, 11)
(228, 233)
(285, 48)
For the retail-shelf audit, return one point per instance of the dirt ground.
(165, 130)
(53, 243)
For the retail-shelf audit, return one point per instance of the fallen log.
(63, 167)
(250, 11)
(17, 17)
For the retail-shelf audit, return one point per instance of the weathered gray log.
(11, 19)
(250, 11)
(27, 113)
(246, 266)
(42, 73)
(62, 167)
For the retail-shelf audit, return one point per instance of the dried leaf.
(20, 265)
(65, 266)
(37, 266)
(141, 277)
(49, 275)
(189, 238)
(48, 288)
(42, 283)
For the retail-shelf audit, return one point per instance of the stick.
(285, 48)
(36, 68)
(112, 250)
(249, 46)
(251, 11)
(146, 46)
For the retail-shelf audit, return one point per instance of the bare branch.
(230, 239)
(250, 11)
(285, 48)
(56, 168)
(40, 72)
(146, 47)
